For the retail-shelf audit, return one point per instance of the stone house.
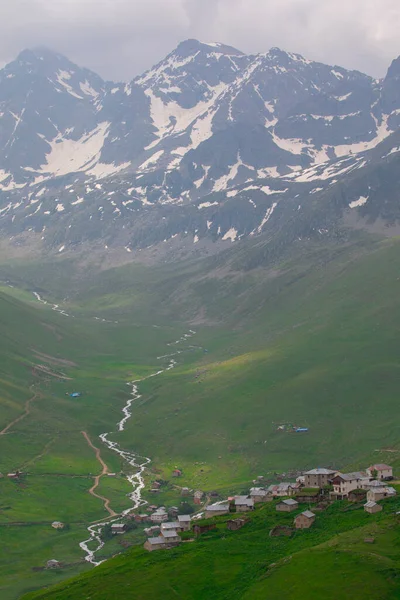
(53, 564)
(379, 493)
(199, 529)
(372, 507)
(283, 489)
(287, 505)
(380, 471)
(235, 524)
(304, 520)
(57, 525)
(357, 495)
(159, 516)
(184, 522)
(214, 510)
(243, 503)
(376, 494)
(118, 528)
(343, 483)
(142, 518)
(169, 526)
(308, 495)
(160, 543)
(260, 495)
(318, 477)
(171, 536)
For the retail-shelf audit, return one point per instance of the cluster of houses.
(168, 533)
(370, 485)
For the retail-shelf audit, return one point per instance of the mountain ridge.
(206, 146)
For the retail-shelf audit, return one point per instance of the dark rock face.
(209, 145)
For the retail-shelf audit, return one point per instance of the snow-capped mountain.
(209, 145)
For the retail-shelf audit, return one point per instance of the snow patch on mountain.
(67, 155)
(360, 202)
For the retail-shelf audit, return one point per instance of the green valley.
(306, 340)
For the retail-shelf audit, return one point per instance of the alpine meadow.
(199, 329)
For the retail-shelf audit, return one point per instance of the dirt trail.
(25, 414)
(104, 471)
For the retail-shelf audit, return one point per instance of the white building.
(343, 483)
(380, 471)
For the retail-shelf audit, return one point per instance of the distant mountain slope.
(209, 145)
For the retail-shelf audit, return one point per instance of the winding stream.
(134, 460)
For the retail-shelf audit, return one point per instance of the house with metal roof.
(372, 507)
(304, 520)
(118, 528)
(214, 510)
(184, 522)
(343, 483)
(318, 477)
(287, 505)
(260, 495)
(243, 503)
(380, 471)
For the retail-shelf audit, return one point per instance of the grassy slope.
(250, 564)
(312, 341)
(320, 351)
(97, 358)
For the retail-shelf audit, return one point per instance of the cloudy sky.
(121, 38)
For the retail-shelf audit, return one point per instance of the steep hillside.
(249, 564)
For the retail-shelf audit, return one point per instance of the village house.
(235, 524)
(176, 473)
(380, 471)
(118, 528)
(379, 493)
(304, 520)
(372, 507)
(57, 525)
(343, 483)
(357, 495)
(184, 522)
(283, 489)
(215, 510)
(308, 495)
(287, 505)
(199, 529)
(173, 512)
(160, 543)
(318, 477)
(142, 518)
(243, 503)
(185, 491)
(169, 526)
(260, 495)
(159, 516)
(171, 535)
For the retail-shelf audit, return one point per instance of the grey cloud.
(121, 38)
